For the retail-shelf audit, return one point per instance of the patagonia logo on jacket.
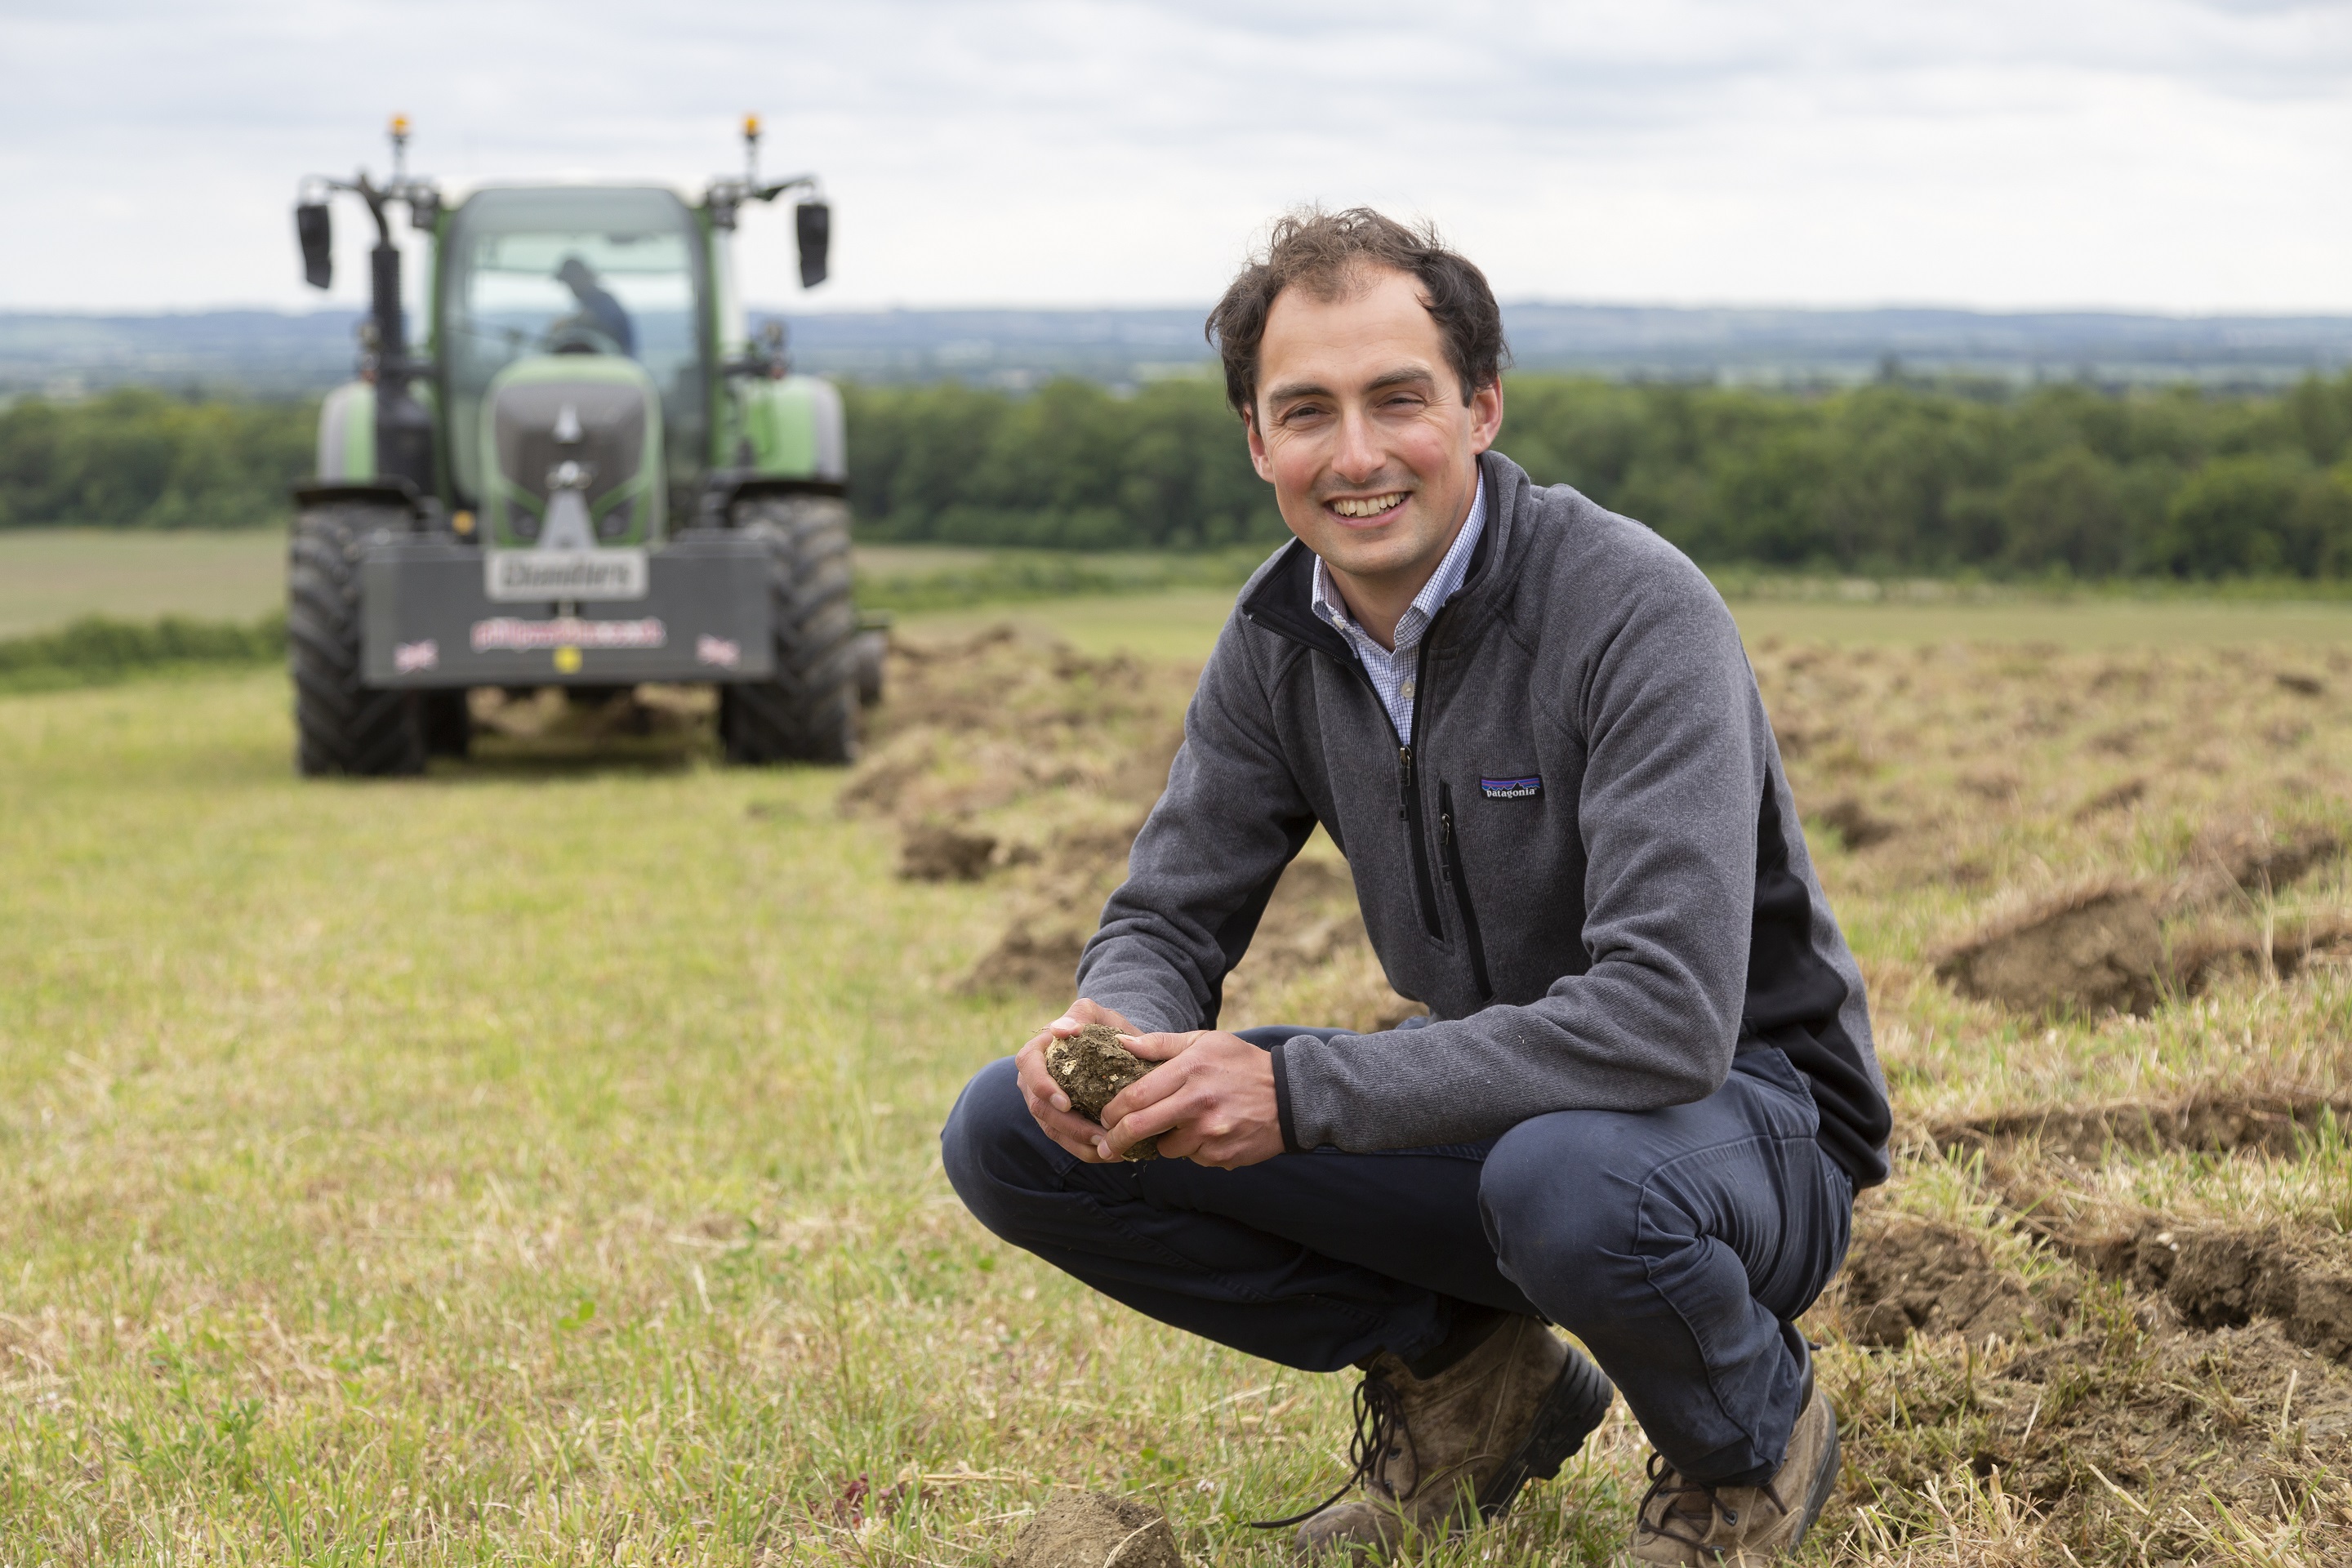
(1527, 788)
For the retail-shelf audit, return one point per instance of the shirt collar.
(1442, 584)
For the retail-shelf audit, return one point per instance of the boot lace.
(1667, 1485)
(1379, 1431)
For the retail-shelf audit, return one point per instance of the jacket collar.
(1283, 600)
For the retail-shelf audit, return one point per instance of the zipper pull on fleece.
(1405, 761)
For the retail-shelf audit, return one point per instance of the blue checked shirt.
(1391, 672)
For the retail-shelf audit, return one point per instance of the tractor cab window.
(573, 271)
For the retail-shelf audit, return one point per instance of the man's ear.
(1486, 415)
(1257, 443)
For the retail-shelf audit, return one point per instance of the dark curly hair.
(1322, 252)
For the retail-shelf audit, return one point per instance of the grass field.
(536, 1163)
(1183, 625)
(48, 576)
(53, 575)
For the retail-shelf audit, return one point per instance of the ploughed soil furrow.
(2112, 950)
(1904, 1276)
(2271, 1124)
(2212, 1272)
(2120, 1371)
(2118, 1434)
(2220, 1276)
(2119, 1390)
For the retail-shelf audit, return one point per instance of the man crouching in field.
(1645, 1093)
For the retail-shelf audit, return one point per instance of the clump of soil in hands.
(1092, 1066)
(1095, 1530)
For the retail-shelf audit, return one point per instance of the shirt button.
(1406, 690)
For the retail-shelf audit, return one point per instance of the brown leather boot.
(1437, 1455)
(1689, 1524)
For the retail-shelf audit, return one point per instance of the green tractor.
(587, 475)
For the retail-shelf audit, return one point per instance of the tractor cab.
(589, 301)
(588, 474)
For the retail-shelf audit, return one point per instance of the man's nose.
(1360, 456)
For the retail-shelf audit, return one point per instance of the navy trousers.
(1677, 1244)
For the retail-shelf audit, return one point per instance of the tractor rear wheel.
(341, 725)
(873, 653)
(806, 711)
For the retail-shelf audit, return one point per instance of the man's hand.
(1209, 1101)
(1047, 1103)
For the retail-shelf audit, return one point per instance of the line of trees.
(140, 458)
(1071, 466)
(1888, 479)
(1893, 478)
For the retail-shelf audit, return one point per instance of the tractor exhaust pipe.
(403, 431)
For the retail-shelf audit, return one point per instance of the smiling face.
(1361, 427)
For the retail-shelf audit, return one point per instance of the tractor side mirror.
(813, 224)
(311, 226)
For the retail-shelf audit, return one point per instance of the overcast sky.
(2170, 155)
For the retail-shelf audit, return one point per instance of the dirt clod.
(1030, 956)
(1905, 1275)
(575, 717)
(2225, 1276)
(2231, 858)
(1095, 1530)
(1055, 912)
(1852, 821)
(1092, 1066)
(2204, 956)
(2159, 1416)
(2218, 1124)
(1053, 754)
(932, 852)
(2092, 953)
(2114, 797)
(2122, 1420)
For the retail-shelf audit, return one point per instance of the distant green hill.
(271, 354)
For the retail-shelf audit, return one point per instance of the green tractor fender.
(792, 428)
(347, 433)
(347, 468)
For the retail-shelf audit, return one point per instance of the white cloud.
(2160, 153)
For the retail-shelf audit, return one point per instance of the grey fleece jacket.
(1584, 861)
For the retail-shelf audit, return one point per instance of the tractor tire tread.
(342, 726)
(806, 710)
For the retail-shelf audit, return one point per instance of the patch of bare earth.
(2120, 948)
(2208, 1123)
(2125, 1408)
(1095, 1530)
(1010, 757)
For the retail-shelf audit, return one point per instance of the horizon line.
(2341, 313)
